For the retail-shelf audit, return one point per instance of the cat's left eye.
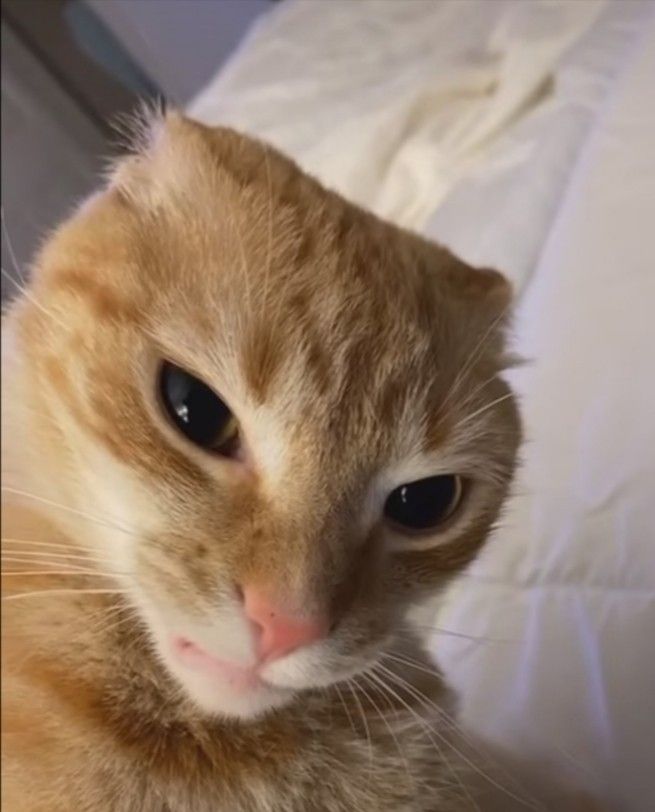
(196, 411)
(424, 505)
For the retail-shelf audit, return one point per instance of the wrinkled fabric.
(432, 113)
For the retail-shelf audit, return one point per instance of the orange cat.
(248, 427)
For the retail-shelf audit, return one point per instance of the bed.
(521, 135)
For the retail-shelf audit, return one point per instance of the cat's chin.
(229, 693)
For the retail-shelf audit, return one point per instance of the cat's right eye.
(424, 505)
(196, 411)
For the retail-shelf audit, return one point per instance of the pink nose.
(279, 631)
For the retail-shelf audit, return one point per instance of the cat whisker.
(483, 409)
(26, 293)
(112, 624)
(345, 707)
(18, 559)
(469, 364)
(72, 571)
(45, 555)
(57, 591)
(430, 705)
(419, 666)
(382, 716)
(42, 543)
(413, 627)
(353, 691)
(41, 567)
(399, 658)
(428, 730)
(10, 248)
(103, 522)
(475, 392)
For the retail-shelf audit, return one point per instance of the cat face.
(288, 412)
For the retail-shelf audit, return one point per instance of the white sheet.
(571, 575)
(403, 106)
(520, 134)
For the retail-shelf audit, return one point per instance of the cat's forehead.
(249, 273)
(223, 243)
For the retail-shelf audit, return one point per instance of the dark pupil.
(197, 411)
(422, 504)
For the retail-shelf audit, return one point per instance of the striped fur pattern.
(356, 356)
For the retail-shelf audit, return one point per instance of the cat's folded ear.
(480, 291)
(160, 147)
(478, 302)
(481, 288)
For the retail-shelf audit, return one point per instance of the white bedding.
(522, 135)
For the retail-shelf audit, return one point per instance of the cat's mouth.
(239, 677)
(223, 671)
(220, 686)
(248, 690)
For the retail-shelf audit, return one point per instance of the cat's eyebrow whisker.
(473, 357)
(482, 410)
(472, 395)
(108, 523)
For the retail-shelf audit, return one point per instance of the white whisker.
(469, 364)
(483, 409)
(429, 704)
(387, 725)
(72, 571)
(103, 522)
(25, 292)
(428, 730)
(345, 707)
(10, 248)
(71, 591)
(353, 691)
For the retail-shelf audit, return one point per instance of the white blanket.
(521, 134)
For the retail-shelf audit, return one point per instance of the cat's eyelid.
(421, 466)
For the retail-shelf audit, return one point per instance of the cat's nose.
(279, 630)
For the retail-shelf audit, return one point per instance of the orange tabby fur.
(350, 351)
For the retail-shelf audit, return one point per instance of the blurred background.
(70, 67)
